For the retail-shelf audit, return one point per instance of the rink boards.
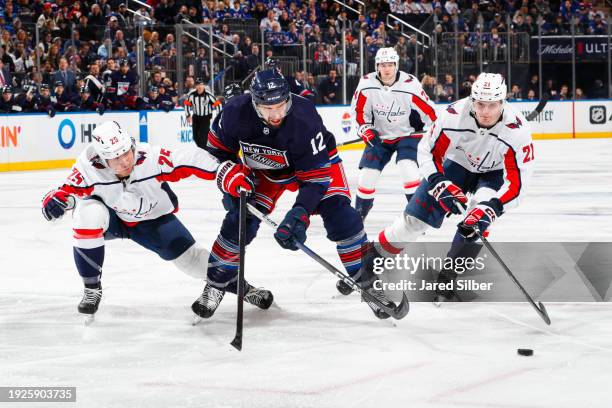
(36, 141)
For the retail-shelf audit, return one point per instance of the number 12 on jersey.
(317, 144)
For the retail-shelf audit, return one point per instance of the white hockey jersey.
(144, 195)
(506, 146)
(390, 108)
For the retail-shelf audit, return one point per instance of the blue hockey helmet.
(269, 87)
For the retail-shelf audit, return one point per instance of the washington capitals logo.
(451, 109)
(515, 125)
(264, 157)
(96, 162)
(141, 157)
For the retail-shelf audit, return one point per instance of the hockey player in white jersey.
(122, 192)
(479, 145)
(389, 105)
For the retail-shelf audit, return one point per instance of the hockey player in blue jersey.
(284, 146)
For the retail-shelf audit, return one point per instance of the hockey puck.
(525, 352)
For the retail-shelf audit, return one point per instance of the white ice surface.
(313, 349)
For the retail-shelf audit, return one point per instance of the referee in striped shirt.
(199, 108)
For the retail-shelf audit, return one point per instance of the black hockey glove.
(293, 228)
(448, 195)
(56, 203)
(481, 217)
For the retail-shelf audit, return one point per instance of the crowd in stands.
(69, 55)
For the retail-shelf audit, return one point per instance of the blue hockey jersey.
(301, 150)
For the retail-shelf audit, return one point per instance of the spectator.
(451, 7)
(267, 22)
(579, 94)
(531, 96)
(515, 93)
(253, 58)
(86, 32)
(372, 21)
(448, 89)
(202, 62)
(563, 93)
(120, 41)
(96, 18)
(330, 88)
(104, 48)
(429, 84)
(65, 76)
(168, 44)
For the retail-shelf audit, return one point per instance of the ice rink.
(313, 348)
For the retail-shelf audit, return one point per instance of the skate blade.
(89, 319)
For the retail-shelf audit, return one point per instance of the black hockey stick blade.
(539, 308)
(402, 309)
(539, 108)
(397, 311)
(237, 342)
(542, 311)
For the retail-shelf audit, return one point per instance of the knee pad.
(90, 214)
(405, 229)
(367, 182)
(193, 262)
(90, 219)
(410, 175)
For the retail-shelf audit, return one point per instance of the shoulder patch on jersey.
(451, 109)
(141, 157)
(97, 163)
(515, 125)
(365, 77)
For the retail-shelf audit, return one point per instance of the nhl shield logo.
(346, 123)
(597, 114)
(263, 157)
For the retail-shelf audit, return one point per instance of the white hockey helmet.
(110, 141)
(387, 54)
(489, 87)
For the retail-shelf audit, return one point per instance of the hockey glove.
(56, 203)
(479, 217)
(293, 228)
(368, 134)
(231, 177)
(448, 195)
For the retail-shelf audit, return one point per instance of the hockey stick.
(398, 312)
(530, 117)
(360, 140)
(237, 342)
(349, 142)
(541, 310)
(538, 109)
